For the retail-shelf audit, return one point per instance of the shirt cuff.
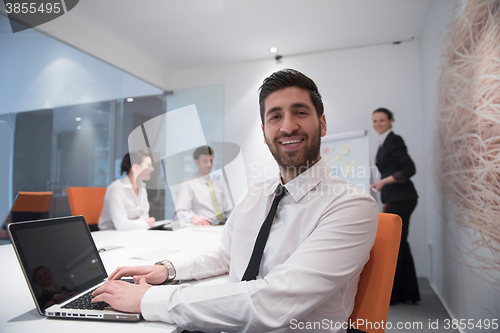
(155, 304)
(400, 178)
(183, 267)
(185, 216)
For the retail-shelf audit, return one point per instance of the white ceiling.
(174, 34)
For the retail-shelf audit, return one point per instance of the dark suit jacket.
(393, 159)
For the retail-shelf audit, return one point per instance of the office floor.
(427, 316)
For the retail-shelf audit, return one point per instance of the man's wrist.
(170, 269)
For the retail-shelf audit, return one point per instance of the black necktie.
(260, 243)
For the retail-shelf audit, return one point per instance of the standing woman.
(399, 197)
(126, 205)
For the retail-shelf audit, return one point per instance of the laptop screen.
(58, 256)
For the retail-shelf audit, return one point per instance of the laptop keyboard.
(84, 302)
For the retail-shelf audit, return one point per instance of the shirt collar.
(126, 181)
(203, 179)
(303, 183)
(383, 136)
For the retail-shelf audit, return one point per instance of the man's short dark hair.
(289, 78)
(202, 150)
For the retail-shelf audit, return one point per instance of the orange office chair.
(376, 279)
(31, 206)
(87, 201)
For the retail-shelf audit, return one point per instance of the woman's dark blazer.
(393, 159)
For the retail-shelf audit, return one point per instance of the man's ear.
(197, 163)
(322, 123)
(263, 134)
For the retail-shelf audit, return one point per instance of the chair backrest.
(31, 206)
(376, 279)
(87, 201)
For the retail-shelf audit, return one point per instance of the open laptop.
(62, 267)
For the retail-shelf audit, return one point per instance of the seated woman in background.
(126, 204)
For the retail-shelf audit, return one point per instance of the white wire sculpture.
(469, 130)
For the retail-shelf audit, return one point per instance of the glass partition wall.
(209, 101)
(66, 117)
(78, 145)
(83, 145)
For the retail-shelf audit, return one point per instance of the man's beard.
(298, 161)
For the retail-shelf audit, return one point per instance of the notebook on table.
(62, 267)
(168, 225)
(174, 225)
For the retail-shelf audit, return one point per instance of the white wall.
(353, 82)
(105, 46)
(465, 293)
(438, 16)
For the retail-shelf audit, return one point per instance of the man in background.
(201, 199)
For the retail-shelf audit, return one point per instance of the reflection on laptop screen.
(60, 259)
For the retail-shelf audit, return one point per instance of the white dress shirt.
(383, 136)
(194, 199)
(319, 243)
(123, 209)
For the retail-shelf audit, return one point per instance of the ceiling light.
(78, 118)
(79, 127)
(273, 49)
(130, 99)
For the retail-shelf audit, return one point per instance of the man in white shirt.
(201, 198)
(319, 240)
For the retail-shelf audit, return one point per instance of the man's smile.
(290, 143)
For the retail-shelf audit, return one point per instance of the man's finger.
(107, 287)
(108, 298)
(102, 298)
(138, 278)
(121, 272)
(97, 299)
(117, 273)
(98, 291)
(110, 277)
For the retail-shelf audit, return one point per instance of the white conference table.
(135, 247)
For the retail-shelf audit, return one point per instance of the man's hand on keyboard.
(155, 274)
(121, 295)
